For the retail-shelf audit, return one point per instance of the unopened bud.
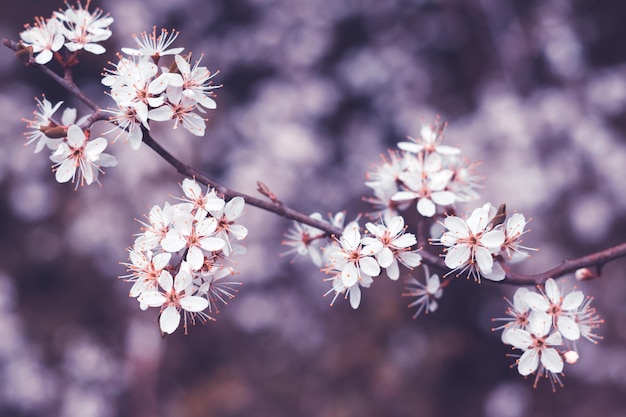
(54, 132)
(24, 53)
(500, 216)
(571, 357)
(585, 274)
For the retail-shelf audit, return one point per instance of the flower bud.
(24, 53)
(54, 132)
(571, 357)
(585, 274)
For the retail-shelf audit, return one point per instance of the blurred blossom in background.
(314, 92)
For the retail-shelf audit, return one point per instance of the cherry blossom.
(561, 309)
(174, 297)
(45, 38)
(538, 345)
(471, 244)
(79, 153)
(83, 30)
(153, 46)
(425, 294)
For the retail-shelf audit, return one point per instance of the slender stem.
(274, 207)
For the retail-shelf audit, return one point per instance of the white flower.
(394, 242)
(159, 222)
(45, 38)
(196, 82)
(176, 295)
(304, 239)
(518, 312)
(43, 119)
(353, 292)
(537, 344)
(202, 202)
(426, 180)
(194, 235)
(226, 226)
(560, 309)
(426, 295)
(429, 141)
(83, 30)
(80, 153)
(180, 109)
(470, 244)
(353, 259)
(153, 46)
(145, 268)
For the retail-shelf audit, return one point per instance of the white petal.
(426, 207)
(528, 363)
(519, 338)
(349, 275)
(369, 266)
(492, 240)
(238, 231)
(166, 281)
(536, 301)
(212, 243)
(234, 208)
(152, 299)
(443, 198)
(568, 328)
(195, 257)
(573, 300)
(552, 291)
(170, 319)
(551, 360)
(456, 225)
(355, 296)
(457, 256)
(194, 304)
(478, 220)
(385, 257)
(497, 273)
(484, 259)
(393, 272)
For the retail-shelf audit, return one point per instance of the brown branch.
(596, 260)
(276, 207)
(68, 84)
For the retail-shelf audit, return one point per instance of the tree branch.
(596, 260)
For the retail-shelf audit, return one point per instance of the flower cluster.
(353, 260)
(481, 244)
(180, 262)
(74, 153)
(423, 171)
(75, 28)
(144, 91)
(546, 326)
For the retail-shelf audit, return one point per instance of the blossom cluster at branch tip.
(76, 28)
(181, 263)
(546, 326)
(424, 172)
(76, 156)
(481, 244)
(357, 256)
(144, 91)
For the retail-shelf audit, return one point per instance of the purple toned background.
(314, 92)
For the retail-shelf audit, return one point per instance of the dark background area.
(313, 93)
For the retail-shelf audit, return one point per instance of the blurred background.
(314, 92)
